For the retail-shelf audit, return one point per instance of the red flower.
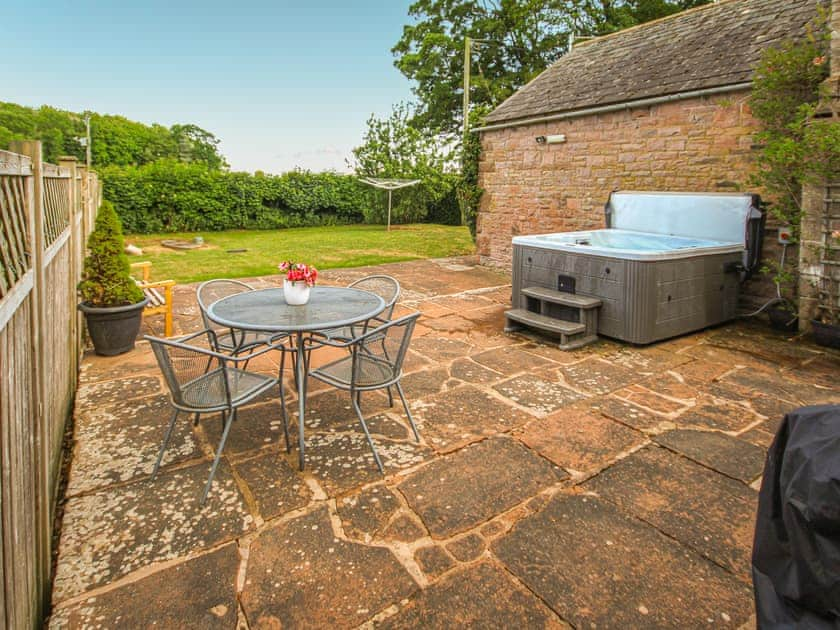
(299, 272)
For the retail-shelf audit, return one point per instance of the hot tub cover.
(796, 554)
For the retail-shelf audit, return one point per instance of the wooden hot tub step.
(543, 322)
(560, 297)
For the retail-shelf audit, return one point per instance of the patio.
(611, 486)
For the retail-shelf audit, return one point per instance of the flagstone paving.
(611, 486)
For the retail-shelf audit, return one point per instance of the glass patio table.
(266, 310)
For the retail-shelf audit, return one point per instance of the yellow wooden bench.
(159, 293)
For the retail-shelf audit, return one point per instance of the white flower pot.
(296, 293)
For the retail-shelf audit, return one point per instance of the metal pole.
(87, 143)
(389, 209)
(467, 50)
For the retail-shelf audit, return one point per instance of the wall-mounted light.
(556, 139)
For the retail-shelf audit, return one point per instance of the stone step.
(561, 297)
(535, 320)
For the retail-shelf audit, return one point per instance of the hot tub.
(628, 244)
(667, 264)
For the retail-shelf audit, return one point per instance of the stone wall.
(819, 280)
(700, 144)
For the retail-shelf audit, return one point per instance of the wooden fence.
(46, 213)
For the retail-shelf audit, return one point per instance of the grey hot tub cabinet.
(641, 301)
(639, 296)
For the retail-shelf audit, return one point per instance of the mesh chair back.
(212, 290)
(195, 379)
(378, 356)
(385, 287)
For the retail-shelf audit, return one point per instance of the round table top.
(266, 310)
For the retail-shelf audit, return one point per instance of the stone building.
(660, 106)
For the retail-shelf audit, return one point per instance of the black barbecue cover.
(796, 554)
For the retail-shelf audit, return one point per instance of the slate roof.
(711, 46)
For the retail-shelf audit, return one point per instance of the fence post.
(76, 202)
(43, 511)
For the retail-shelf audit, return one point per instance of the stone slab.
(300, 574)
(92, 396)
(256, 426)
(469, 371)
(274, 484)
(96, 368)
(458, 492)
(365, 513)
(118, 442)
(110, 533)
(403, 528)
(579, 441)
(702, 509)
(479, 597)
(200, 592)
(463, 415)
(423, 383)
(537, 394)
(510, 361)
(433, 561)
(674, 385)
(441, 349)
(650, 400)
(466, 548)
(782, 385)
(597, 376)
(726, 454)
(609, 570)
(627, 413)
(647, 360)
(710, 413)
(343, 461)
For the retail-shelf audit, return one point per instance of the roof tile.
(715, 45)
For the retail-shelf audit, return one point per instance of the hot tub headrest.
(721, 217)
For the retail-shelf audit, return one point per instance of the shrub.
(467, 189)
(106, 280)
(785, 91)
(173, 196)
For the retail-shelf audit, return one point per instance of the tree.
(115, 140)
(197, 145)
(106, 278)
(394, 148)
(515, 41)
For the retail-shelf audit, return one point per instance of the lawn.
(324, 247)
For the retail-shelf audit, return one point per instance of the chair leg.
(229, 421)
(165, 442)
(283, 411)
(407, 412)
(390, 398)
(195, 420)
(355, 398)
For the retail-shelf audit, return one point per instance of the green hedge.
(173, 196)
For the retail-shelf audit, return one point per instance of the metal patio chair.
(229, 340)
(202, 380)
(232, 340)
(387, 288)
(375, 362)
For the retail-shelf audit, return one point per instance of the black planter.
(113, 329)
(783, 319)
(826, 334)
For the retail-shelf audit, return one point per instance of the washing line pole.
(390, 185)
(390, 192)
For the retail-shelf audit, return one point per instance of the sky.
(282, 84)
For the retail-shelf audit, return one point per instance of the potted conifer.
(111, 300)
